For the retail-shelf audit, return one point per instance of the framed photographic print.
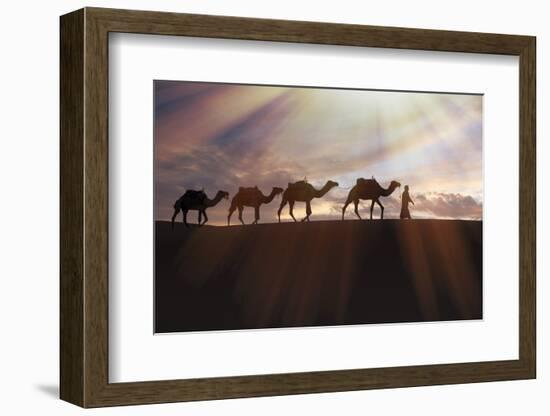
(262, 207)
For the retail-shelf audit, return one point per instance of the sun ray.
(222, 136)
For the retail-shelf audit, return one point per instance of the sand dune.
(319, 273)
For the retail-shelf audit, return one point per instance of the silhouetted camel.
(251, 197)
(303, 192)
(197, 201)
(368, 189)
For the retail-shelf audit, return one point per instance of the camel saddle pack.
(297, 184)
(367, 183)
(248, 191)
(197, 195)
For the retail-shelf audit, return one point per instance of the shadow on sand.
(316, 274)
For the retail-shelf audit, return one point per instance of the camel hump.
(299, 183)
(366, 182)
(250, 190)
(191, 193)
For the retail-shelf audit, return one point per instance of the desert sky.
(216, 136)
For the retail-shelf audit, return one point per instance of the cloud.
(448, 205)
(219, 137)
(427, 205)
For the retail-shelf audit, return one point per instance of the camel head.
(331, 184)
(395, 184)
(277, 190)
(222, 194)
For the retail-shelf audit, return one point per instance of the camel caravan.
(301, 191)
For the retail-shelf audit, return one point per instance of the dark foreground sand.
(320, 273)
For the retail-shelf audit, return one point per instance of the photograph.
(272, 205)
(297, 206)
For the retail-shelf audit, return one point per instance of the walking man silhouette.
(405, 199)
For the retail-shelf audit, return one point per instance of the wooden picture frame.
(84, 207)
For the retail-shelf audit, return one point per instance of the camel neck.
(267, 199)
(212, 202)
(388, 191)
(321, 192)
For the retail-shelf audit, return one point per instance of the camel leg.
(205, 217)
(291, 209)
(283, 203)
(348, 201)
(256, 215)
(231, 211)
(200, 217)
(371, 208)
(381, 209)
(176, 212)
(241, 215)
(356, 209)
(185, 218)
(308, 211)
